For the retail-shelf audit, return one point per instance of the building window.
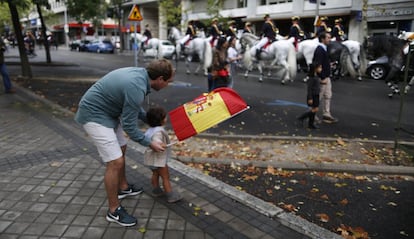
(272, 2)
(241, 3)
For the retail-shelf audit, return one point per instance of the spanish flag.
(205, 111)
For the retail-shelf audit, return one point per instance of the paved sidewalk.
(51, 186)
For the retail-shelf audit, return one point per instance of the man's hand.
(310, 102)
(157, 146)
(324, 81)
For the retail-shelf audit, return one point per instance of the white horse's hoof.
(188, 72)
(260, 80)
(282, 82)
(305, 80)
(359, 78)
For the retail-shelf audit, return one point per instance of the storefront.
(390, 19)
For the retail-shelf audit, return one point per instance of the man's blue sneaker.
(130, 191)
(121, 217)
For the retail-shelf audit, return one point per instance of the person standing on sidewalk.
(232, 57)
(157, 161)
(321, 57)
(312, 97)
(111, 106)
(6, 78)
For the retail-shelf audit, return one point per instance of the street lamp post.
(66, 26)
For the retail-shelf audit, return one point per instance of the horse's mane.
(249, 36)
(384, 45)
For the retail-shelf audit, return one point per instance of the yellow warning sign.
(135, 15)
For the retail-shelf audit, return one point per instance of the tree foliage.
(172, 11)
(87, 10)
(214, 7)
(23, 7)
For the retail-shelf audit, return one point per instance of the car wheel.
(377, 72)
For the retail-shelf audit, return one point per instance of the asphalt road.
(363, 108)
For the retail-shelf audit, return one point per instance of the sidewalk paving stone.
(51, 185)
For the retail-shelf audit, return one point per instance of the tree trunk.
(46, 42)
(26, 69)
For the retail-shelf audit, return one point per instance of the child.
(157, 161)
(232, 57)
(312, 96)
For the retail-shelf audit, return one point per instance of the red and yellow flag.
(205, 111)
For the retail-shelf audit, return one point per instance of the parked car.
(168, 50)
(79, 45)
(378, 69)
(100, 46)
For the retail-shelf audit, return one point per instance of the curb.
(309, 166)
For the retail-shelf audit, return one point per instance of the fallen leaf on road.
(344, 202)
(323, 217)
(289, 207)
(249, 177)
(340, 141)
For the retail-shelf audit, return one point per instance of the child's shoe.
(157, 192)
(173, 197)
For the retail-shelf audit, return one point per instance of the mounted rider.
(148, 34)
(215, 32)
(322, 26)
(269, 35)
(296, 31)
(338, 31)
(248, 28)
(189, 35)
(232, 29)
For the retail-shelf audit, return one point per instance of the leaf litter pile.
(354, 206)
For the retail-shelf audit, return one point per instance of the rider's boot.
(258, 51)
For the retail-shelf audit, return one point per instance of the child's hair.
(312, 69)
(156, 116)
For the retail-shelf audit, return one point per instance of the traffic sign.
(135, 14)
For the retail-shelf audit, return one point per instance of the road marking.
(286, 103)
(183, 84)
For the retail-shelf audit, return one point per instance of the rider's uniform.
(215, 32)
(338, 32)
(323, 27)
(296, 31)
(189, 35)
(269, 35)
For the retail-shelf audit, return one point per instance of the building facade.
(360, 17)
(382, 16)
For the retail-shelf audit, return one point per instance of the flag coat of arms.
(205, 111)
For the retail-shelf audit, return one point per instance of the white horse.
(352, 60)
(358, 57)
(198, 46)
(280, 53)
(143, 44)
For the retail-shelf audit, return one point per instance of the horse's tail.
(346, 62)
(208, 54)
(362, 60)
(178, 51)
(247, 57)
(159, 50)
(292, 62)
